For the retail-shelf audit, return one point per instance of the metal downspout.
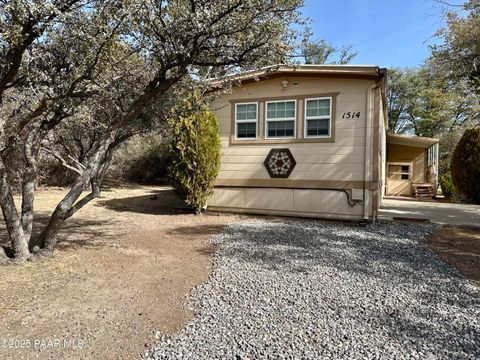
(368, 152)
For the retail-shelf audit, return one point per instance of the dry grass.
(123, 267)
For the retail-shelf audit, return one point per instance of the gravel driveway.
(313, 290)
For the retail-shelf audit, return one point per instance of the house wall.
(402, 153)
(325, 168)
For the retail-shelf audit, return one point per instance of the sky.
(388, 33)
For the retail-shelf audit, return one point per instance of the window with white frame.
(246, 119)
(280, 119)
(318, 116)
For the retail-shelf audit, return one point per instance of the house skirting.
(325, 203)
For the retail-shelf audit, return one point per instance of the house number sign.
(351, 115)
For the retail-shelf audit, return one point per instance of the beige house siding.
(320, 164)
(401, 153)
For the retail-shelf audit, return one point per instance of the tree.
(439, 108)
(194, 153)
(466, 165)
(441, 98)
(114, 68)
(456, 63)
(322, 52)
(401, 97)
(424, 104)
(458, 57)
(22, 25)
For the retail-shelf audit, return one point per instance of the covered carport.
(412, 166)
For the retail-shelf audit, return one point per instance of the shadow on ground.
(76, 232)
(343, 247)
(198, 229)
(95, 226)
(436, 297)
(159, 202)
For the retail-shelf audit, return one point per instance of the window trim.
(329, 117)
(256, 103)
(261, 141)
(294, 118)
(401, 173)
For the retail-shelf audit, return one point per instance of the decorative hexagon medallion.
(280, 163)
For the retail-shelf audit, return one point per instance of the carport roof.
(408, 140)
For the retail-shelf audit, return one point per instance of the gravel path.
(313, 290)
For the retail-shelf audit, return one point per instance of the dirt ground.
(124, 266)
(123, 269)
(460, 247)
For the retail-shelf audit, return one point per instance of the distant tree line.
(441, 98)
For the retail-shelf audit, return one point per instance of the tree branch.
(64, 163)
(95, 186)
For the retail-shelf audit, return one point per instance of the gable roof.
(274, 71)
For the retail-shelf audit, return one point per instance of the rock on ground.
(311, 289)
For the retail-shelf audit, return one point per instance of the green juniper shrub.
(194, 156)
(448, 190)
(465, 165)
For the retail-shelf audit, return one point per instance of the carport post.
(436, 166)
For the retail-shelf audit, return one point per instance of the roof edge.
(411, 140)
(304, 69)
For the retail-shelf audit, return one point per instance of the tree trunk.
(19, 227)
(3, 256)
(12, 221)
(68, 206)
(48, 238)
(31, 150)
(28, 196)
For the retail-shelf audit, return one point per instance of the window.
(246, 120)
(405, 171)
(280, 119)
(274, 120)
(398, 172)
(318, 114)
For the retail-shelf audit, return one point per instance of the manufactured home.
(312, 140)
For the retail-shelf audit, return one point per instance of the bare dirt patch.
(460, 247)
(123, 268)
